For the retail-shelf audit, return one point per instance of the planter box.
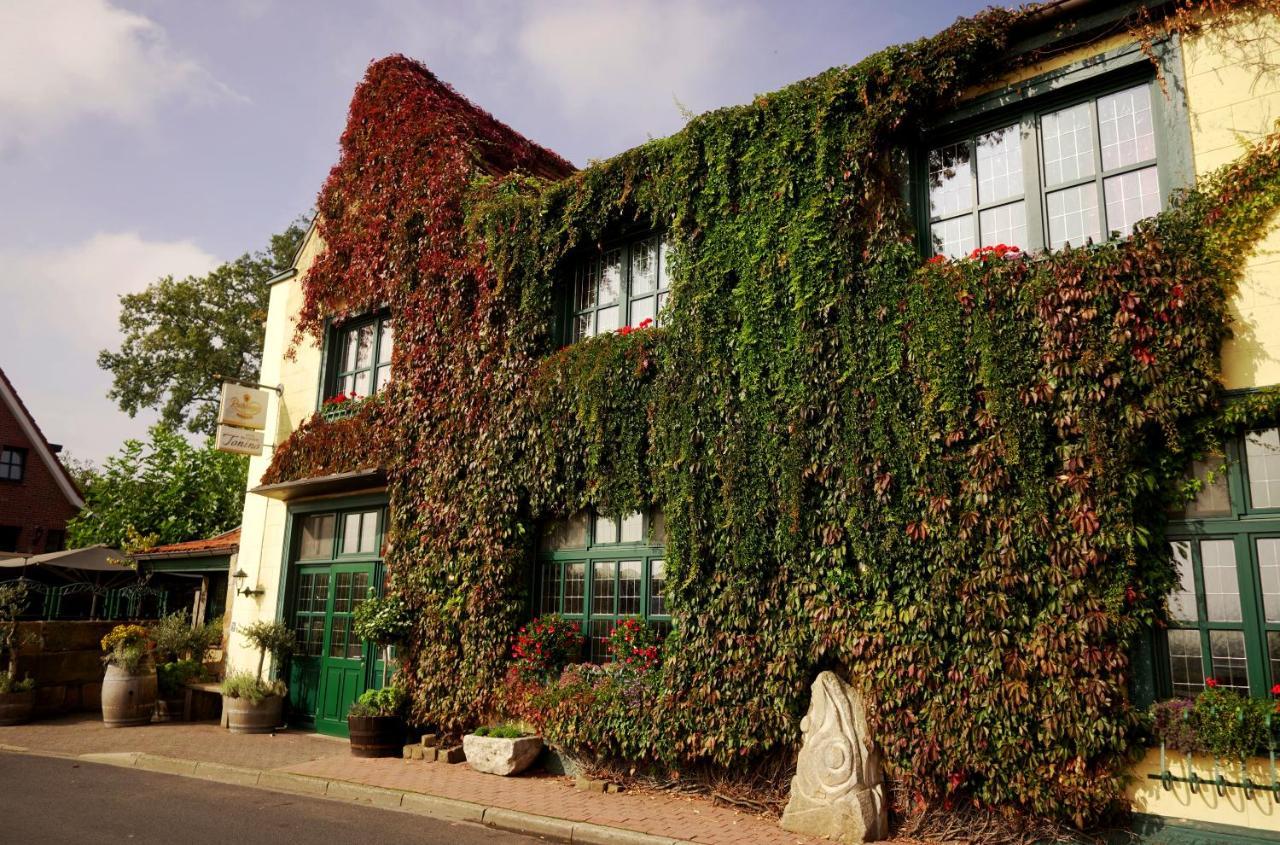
(498, 756)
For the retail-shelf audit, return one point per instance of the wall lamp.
(241, 590)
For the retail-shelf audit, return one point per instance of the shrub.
(124, 635)
(275, 637)
(545, 646)
(1172, 724)
(127, 648)
(378, 702)
(10, 684)
(248, 686)
(172, 636)
(502, 731)
(174, 675)
(1230, 725)
(634, 643)
(384, 621)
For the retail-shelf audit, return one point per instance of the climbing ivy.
(946, 480)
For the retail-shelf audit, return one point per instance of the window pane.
(1073, 216)
(602, 575)
(1221, 586)
(1214, 496)
(610, 277)
(606, 530)
(369, 533)
(641, 310)
(568, 533)
(657, 527)
(662, 304)
(386, 340)
(350, 344)
(583, 326)
(629, 588)
(954, 238)
(950, 180)
(320, 596)
(359, 588)
(575, 577)
(351, 533)
(364, 350)
(338, 637)
(1131, 197)
(644, 266)
(585, 285)
(657, 588)
(347, 385)
(664, 274)
(342, 593)
(1226, 652)
(550, 593)
(1273, 655)
(384, 377)
(633, 528)
(317, 536)
(1005, 224)
(999, 165)
(607, 320)
(360, 386)
(1269, 570)
(304, 592)
(1186, 666)
(316, 637)
(1262, 454)
(1127, 130)
(1182, 599)
(598, 651)
(1067, 142)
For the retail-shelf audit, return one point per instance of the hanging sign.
(242, 406)
(239, 441)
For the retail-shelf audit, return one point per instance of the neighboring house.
(196, 573)
(37, 494)
(1084, 144)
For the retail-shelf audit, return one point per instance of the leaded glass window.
(626, 284)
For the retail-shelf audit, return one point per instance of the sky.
(140, 138)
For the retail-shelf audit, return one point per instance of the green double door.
(329, 669)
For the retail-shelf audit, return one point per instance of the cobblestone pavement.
(679, 817)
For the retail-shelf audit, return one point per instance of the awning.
(325, 485)
(89, 559)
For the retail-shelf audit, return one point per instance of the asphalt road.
(49, 800)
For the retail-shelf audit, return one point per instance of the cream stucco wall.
(1234, 100)
(1259, 812)
(263, 526)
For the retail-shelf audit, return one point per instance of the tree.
(179, 334)
(163, 491)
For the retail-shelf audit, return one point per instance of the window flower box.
(340, 407)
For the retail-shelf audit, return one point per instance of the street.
(49, 800)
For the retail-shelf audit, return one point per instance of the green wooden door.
(342, 667)
(311, 609)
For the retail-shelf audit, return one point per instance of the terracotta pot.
(128, 700)
(376, 736)
(16, 707)
(170, 709)
(245, 717)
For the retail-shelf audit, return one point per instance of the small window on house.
(9, 535)
(1262, 457)
(13, 463)
(55, 540)
(598, 570)
(317, 536)
(627, 284)
(361, 357)
(1073, 174)
(360, 533)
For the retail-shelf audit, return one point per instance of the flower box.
(497, 755)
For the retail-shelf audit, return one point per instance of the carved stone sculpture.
(838, 791)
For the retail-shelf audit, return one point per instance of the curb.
(418, 803)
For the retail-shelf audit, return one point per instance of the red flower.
(646, 323)
(1275, 690)
(937, 259)
(625, 330)
(1210, 682)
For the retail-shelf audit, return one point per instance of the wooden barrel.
(376, 736)
(128, 700)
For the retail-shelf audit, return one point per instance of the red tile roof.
(228, 541)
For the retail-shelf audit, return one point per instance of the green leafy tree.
(179, 334)
(165, 490)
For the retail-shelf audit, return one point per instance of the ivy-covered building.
(955, 370)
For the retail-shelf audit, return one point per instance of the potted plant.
(17, 697)
(374, 723)
(501, 749)
(251, 704)
(129, 686)
(180, 649)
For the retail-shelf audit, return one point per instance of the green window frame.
(1225, 548)
(358, 355)
(1075, 155)
(623, 284)
(598, 570)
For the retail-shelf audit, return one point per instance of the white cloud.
(62, 60)
(64, 308)
(631, 62)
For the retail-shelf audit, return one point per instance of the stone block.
(287, 782)
(496, 755)
(71, 698)
(594, 834)
(431, 754)
(430, 740)
(555, 762)
(91, 696)
(453, 754)
(407, 752)
(613, 788)
(442, 808)
(50, 699)
(528, 823)
(838, 788)
(374, 795)
(590, 784)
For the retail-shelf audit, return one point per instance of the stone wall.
(65, 659)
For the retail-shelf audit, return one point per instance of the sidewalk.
(536, 804)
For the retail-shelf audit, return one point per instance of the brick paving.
(680, 817)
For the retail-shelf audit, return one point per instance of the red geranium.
(1210, 682)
